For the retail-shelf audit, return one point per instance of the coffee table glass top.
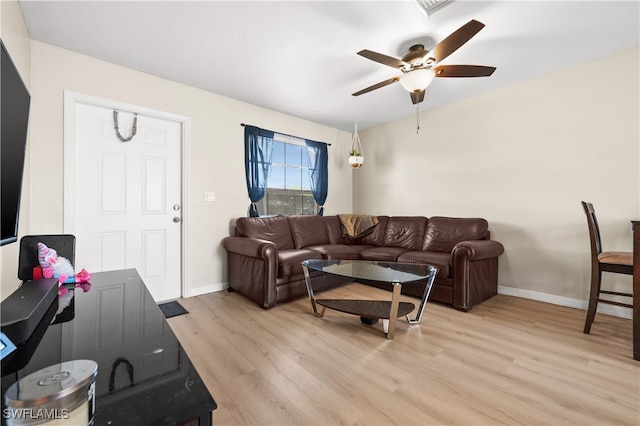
(391, 272)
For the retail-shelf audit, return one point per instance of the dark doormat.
(172, 309)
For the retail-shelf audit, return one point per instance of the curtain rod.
(284, 134)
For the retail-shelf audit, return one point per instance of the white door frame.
(71, 99)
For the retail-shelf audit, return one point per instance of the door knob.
(176, 219)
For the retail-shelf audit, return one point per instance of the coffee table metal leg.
(393, 313)
(307, 281)
(425, 296)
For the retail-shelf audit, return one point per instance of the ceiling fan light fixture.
(417, 80)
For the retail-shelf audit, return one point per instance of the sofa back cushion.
(334, 230)
(308, 230)
(275, 229)
(405, 232)
(443, 233)
(376, 238)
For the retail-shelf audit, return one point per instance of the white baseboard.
(199, 291)
(616, 311)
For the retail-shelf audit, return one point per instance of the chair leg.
(594, 295)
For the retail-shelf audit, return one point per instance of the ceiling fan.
(419, 66)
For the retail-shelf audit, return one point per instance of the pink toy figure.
(54, 266)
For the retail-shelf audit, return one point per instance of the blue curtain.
(318, 160)
(258, 145)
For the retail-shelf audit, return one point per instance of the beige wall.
(522, 157)
(217, 149)
(15, 37)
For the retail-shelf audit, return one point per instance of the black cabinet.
(144, 375)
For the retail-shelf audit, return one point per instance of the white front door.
(126, 196)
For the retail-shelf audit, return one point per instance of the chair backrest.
(64, 244)
(594, 230)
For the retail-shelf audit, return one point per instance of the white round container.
(61, 394)
(356, 161)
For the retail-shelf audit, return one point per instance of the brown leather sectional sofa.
(264, 255)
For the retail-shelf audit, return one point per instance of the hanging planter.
(356, 159)
(356, 155)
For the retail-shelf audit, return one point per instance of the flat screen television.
(14, 117)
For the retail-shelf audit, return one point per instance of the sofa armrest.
(477, 250)
(251, 247)
(475, 272)
(252, 269)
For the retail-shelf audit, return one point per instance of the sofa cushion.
(442, 261)
(289, 261)
(308, 230)
(405, 232)
(360, 247)
(275, 229)
(382, 254)
(334, 230)
(443, 233)
(376, 238)
(336, 251)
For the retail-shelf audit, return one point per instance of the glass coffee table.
(370, 311)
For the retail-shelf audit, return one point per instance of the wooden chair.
(619, 262)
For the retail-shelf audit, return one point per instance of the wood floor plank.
(508, 361)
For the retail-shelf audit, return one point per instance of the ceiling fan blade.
(456, 39)
(463, 71)
(417, 97)
(383, 59)
(376, 86)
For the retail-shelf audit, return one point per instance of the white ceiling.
(299, 57)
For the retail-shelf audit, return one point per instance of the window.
(288, 186)
(294, 181)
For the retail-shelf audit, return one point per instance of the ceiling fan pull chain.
(417, 118)
(134, 129)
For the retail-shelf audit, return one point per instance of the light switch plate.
(209, 196)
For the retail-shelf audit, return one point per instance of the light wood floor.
(508, 361)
